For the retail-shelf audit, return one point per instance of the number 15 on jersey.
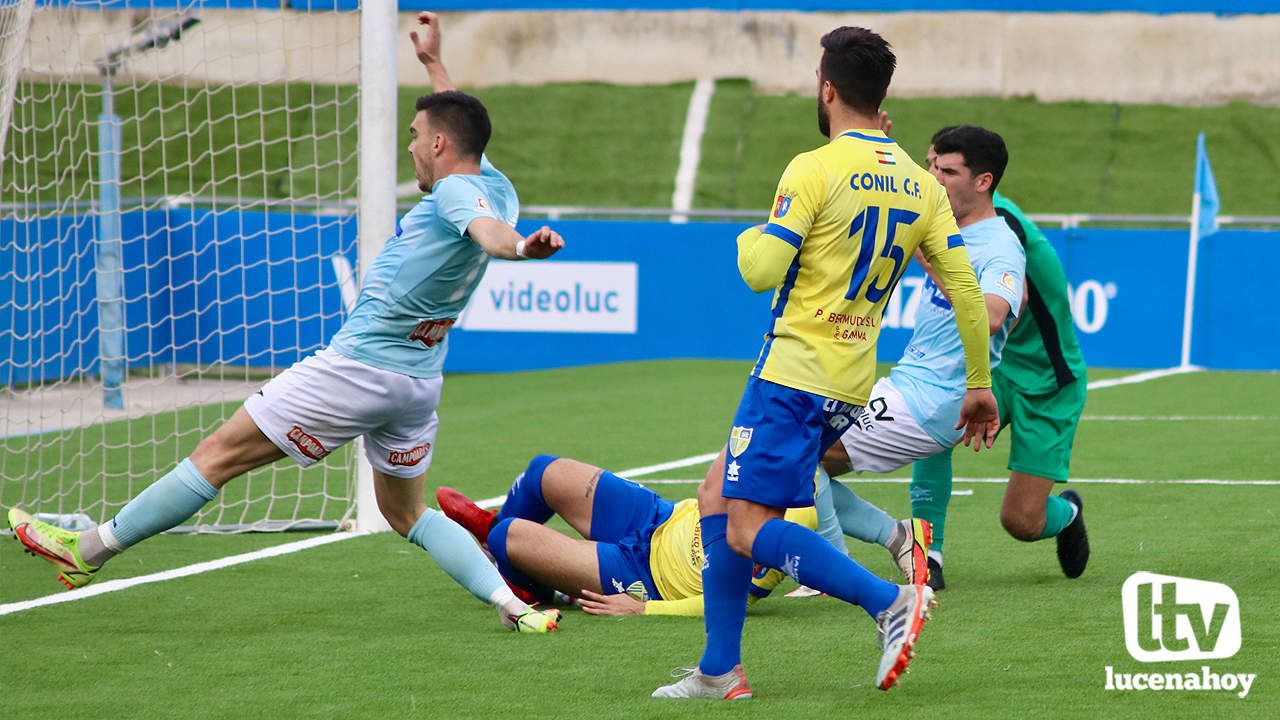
(865, 226)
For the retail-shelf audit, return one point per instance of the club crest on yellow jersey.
(782, 205)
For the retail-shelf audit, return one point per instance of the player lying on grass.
(380, 377)
(911, 408)
(640, 554)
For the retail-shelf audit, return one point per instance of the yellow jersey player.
(844, 221)
(641, 553)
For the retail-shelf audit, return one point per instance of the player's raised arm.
(499, 240)
(426, 45)
(765, 252)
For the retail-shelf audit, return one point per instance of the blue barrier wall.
(259, 289)
(201, 287)
(1127, 299)
(1220, 7)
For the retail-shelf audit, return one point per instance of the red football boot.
(460, 509)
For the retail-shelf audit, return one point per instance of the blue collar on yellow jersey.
(872, 138)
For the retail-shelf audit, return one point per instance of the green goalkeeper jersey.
(1042, 354)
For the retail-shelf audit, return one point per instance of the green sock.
(1058, 513)
(931, 493)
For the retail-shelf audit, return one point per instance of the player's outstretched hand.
(619, 604)
(542, 243)
(979, 417)
(427, 44)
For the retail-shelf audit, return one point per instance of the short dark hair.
(983, 151)
(859, 64)
(934, 140)
(461, 117)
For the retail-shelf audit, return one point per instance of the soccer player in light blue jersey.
(912, 413)
(380, 378)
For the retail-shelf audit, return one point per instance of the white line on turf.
(125, 583)
(1003, 480)
(695, 124)
(1143, 376)
(496, 500)
(1179, 418)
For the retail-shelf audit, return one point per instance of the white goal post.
(181, 185)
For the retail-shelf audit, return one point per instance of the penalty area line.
(109, 586)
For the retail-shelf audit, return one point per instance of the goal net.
(177, 223)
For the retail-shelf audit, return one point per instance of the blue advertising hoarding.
(260, 290)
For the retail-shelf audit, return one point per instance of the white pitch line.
(695, 124)
(1178, 418)
(126, 583)
(1143, 376)
(1004, 480)
(497, 500)
(661, 467)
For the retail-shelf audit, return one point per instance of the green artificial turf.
(370, 627)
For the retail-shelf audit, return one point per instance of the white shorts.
(886, 436)
(326, 400)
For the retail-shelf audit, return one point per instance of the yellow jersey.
(675, 560)
(847, 218)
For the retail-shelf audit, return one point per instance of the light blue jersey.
(423, 278)
(931, 373)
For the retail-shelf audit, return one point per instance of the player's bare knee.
(741, 536)
(1021, 525)
(836, 460)
(565, 478)
(520, 541)
(401, 519)
(710, 501)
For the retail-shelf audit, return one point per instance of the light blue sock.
(828, 521)
(860, 518)
(457, 553)
(167, 503)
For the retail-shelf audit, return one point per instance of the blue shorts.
(623, 518)
(779, 435)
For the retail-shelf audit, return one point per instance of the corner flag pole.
(1189, 302)
(1204, 221)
